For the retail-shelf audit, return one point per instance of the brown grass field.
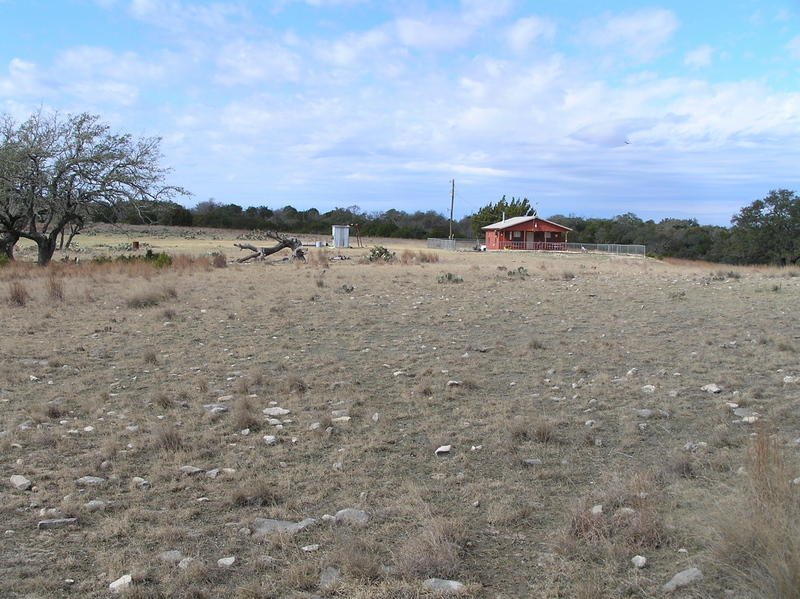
(580, 383)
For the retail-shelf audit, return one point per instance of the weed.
(149, 296)
(167, 438)
(449, 278)
(18, 294)
(55, 289)
(260, 493)
(219, 261)
(149, 356)
(246, 416)
(759, 537)
(162, 400)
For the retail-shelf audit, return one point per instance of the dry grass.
(548, 411)
(759, 535)
(18, 294)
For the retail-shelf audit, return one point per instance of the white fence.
(464, 245)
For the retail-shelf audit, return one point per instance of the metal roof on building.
(518, 220)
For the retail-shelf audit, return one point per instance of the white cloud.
(243, 62)
(699, 57)
(522, 33)
(641, 35)
(794, 48)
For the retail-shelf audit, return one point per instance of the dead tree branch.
(292, 243)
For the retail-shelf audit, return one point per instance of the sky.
(671, 109)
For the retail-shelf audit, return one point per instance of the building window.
(516, 235)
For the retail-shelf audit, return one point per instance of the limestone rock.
(328, 579)
(711, 388)
(639, 561)
(275, 411)
(55, 523)
(444, 587)
(444, 450)
(20, 483)
(682, 579)
(121, 584)
(171, 557)
(90, 481)
(351, 516)
(226, 562)
(265, 526)
(190, 470)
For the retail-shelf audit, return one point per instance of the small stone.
(55, 523)
(212, 474)
(94, 505)
(171, 557)
(310, 548)
(444, 587)
(453, 383)
(532, 462)
(20, 483)
(214, 408)
(338, 466)
(596, 510)
(226, 562)
(711, 388)
(140, 482)
(270, 439)
(352, 516)
(121, 584)
(265, 526)
(90, 481)
(632, 372)
(275, 411)
(185, 563)
(340, 420)
(328, 578)
(682, 579)
(190, 470)
(639, 562)
(375, 417)
(649, 389)
(644, 414)
(444, 449)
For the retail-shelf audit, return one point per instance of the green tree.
(492, 213)
(56, 172)
(768, 230)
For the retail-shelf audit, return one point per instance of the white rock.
(444, 587)
(121, 584)
(682, 579)
(639, 561)
(375, 417)
(212, 474)
(270, 439)
(171, 557)
(310, 548)
(20, 482)
(790, 379)
(352, 516)
(453, 383)
(444, 449)
(226, 562)
(711, 388)
(140, 482)
(275, 411)
(189, 470)
(596, 510)
(649, 389)
(90, 481)
(185, 563)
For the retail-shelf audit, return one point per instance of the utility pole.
(452, 199)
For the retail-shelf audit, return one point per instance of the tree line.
(59, 174)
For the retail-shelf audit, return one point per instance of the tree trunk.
(46, 245)
(292, 243)
(7, 243)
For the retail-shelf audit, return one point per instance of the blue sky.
(326, 103)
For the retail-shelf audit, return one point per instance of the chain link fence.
(465, 245)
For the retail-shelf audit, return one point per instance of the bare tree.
(54, 171)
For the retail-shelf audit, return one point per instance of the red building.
(526, 233)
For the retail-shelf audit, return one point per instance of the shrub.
(55, 289)
(220, 261)
(18, 294)
(380, 253)
(450, 278)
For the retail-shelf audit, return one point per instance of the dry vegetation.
(557, 475)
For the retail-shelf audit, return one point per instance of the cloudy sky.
(681, 108)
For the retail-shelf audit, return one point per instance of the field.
(596, 408)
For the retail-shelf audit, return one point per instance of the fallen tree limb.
(292, 243)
